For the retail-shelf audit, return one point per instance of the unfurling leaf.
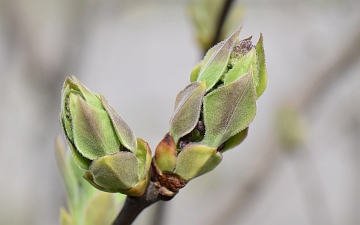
(229, 110)
(187, 110)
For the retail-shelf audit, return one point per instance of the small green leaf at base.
(195, 160)
(100, 209)
(166, 154)
(118, 171)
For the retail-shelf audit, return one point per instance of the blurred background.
(139, 55)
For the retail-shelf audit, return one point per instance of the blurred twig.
(323, 78)
(134, 205)
(331, 71)
(223, 15)
(355, 194)
(243, 197)
(312, 189)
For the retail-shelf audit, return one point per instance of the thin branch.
(134, 205)
(331, 70)
(242, 198)
(221, 21)
(355, 194)
(309, 181)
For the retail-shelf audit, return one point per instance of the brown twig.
(134, 205)
(221, 21)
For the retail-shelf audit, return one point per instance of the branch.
(221, 21)
(134, 205)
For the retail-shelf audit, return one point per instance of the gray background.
(139, 55)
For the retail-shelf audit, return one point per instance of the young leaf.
(123, 131)
(100, 209)
(216, 61)
(94, 135)
(65, 218)
(187, 110)
(243, 66)
(235, 140)
(195, 160)
(195, 72)
(65, 169)
(263, 80)
(91, 98)
(229, 110)
(116, 171)
(166, 154)
(143, 154)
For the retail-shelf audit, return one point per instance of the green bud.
(231, 59)
(102, 143)
(195, 160)
(213, 113)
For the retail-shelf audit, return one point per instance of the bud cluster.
(102, 143)
(213, 113)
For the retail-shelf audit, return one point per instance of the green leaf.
(80, 160)
(65, 218)
(235, 140)
(243, 66)
(229, 110)
(90, 178)
(84, 189)
(195, 72)
(187, 110)
(66, 170)
(123, 131)
(216, 61)
(91, 98)
(263, 80)
(195, 160)
(118, 171)
(143, 154)
(94, 134)
(64, 113)
(100, 209)
(166, 154)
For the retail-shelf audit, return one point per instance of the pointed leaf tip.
(216, 61)
(187, 110)
(123, 130)
(263, 80)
